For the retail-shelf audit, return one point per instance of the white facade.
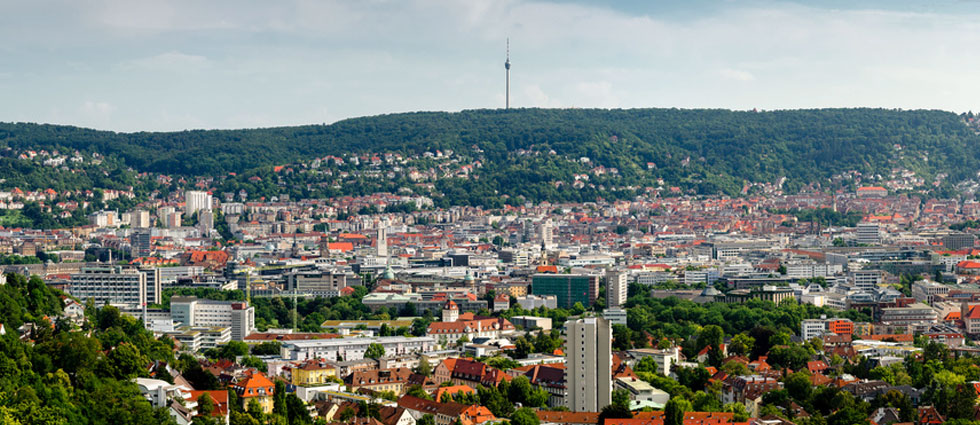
(532, 302)
(869, 233)
(196, 200)
(350, 349)
(588, 373)
(616, 286)
(238, 316)
(615, 315)
(111, 285)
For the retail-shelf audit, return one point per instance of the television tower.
(507, 67)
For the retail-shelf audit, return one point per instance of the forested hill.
(703, 150)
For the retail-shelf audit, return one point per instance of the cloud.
(172, 61)
(246, 63)
(534, 96)
(736, 75)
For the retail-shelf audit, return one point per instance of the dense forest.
(704, 151)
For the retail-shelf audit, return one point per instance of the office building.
(111, 285)
(547, 235)
(137, 219)
(869, 233)
(567, 288)
(350, 349)
(588, 373)
(866, 279)
(196, 200)
(531, 302)
(205, 222)
(141, 243)
(957, 241)
(196, 312)
(319, 283)
(616, 286)
(382, 242)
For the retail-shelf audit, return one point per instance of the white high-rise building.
(382, 243)
(869, 233)
(193, 311)
(588, 373)
(114, 285)
(547, 235)
(616, 286)
(196, 200)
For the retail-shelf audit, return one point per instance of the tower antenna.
(507, 68)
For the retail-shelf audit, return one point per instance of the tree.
(519, 390)
(740, 345)
(205, 405)
(424, 368)
(621, 397)
(675, 409)
(418, 391)
(375, 351)
(798, 386)
(296, 410)
(524, 416)
(426, 419)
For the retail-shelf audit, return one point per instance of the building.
(255, 386)
(382, 242)
(532, 322)
(349, 349)
(313, 373)
(501, 302)
(205, 222)
(927, 291)
(141, 243)
(532, 302)
(869, 233)
(394, 380)
(193, 311)
(616, 287)
(111, 285)
(588, 373)
(198, 338)
(812, 328)
(196, 200)
(615, 315)
(958, 241)
(318, 283)
(467, 326)
(665, 359)
(547, 235)
(641, 391)
(450, 312)
(915, 314)
(866, 279)
(567, 288)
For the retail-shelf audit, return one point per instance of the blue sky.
(131, 65)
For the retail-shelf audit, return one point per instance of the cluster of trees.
(824, 216)
(73, 377)
(673, 320)
(702, 151)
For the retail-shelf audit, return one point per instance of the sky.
(136, 65)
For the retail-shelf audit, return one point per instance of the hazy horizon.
(169, 66)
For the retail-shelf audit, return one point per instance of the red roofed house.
(968, 267)
(255, 386)
(219, 399)
(872, 192)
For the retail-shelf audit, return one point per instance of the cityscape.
(508, 261)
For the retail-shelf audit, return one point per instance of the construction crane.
(248, 285)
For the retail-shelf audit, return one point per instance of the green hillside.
(705, 151)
